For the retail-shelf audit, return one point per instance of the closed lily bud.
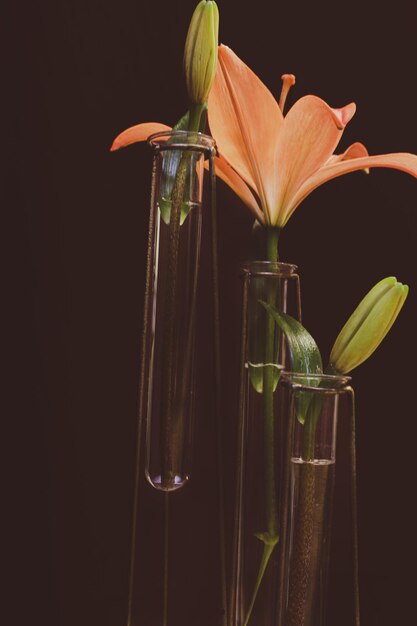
(200, 54)
(368, 325)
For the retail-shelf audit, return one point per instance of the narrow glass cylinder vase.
(311, 405)
(261, 442)
(176, 531)
(174, 258)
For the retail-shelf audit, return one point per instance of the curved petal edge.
(400, 161)
(140, 132)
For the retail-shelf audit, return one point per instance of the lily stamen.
(288, 81)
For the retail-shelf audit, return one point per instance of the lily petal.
(310, 133)
(245, 120)
(140, 132)
(235, 182)
(354, 151)
(399, 161)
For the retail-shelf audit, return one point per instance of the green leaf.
(183, 122)
(256, 374)
(267, 538)
(165, 209)
(304, 354)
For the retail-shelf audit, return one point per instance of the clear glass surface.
(312, 405)
(170, 342)
(261, 443)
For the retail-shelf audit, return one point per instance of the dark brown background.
(77, 73)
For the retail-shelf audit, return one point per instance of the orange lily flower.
(273, 162)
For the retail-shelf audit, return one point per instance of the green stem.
(266, 555)
(309, 430)
(312, 415)
(315, 493)
(307, 545)
(196, 111)
(270, 537)
(272, 237)
(268, 393)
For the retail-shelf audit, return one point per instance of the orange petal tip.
(344, 115)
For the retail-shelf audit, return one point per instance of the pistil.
(288, 80)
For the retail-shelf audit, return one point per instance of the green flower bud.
(200, 54)
(368, 325)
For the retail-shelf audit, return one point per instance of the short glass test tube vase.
(311, 405)
(170, 311)
(253, 597)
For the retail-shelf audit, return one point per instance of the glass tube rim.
(341, 382)
(268, 268)
(200, 142)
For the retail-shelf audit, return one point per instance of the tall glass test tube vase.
(312, 405)
(253, 597)
(170, 333)
(165, 514)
